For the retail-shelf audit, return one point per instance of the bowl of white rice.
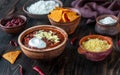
(40, 8)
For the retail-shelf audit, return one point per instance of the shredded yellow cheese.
(48, 35)
(95, 45)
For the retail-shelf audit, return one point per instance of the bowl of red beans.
(43, 41)
(13, 24)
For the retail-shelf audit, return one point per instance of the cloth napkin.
(90, 9)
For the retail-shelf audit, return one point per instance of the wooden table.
(68, 63)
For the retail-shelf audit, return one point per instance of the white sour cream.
(36, 42)
(107, 20)
(42, 7)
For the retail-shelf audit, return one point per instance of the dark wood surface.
(68, 63)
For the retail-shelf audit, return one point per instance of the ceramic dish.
(47, 53)
(95, 56)
(13, 29)
(37, 16)
(107, 29)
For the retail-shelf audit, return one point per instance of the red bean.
(20, 23)
(8, 23)
(14, 22)
(27, 40)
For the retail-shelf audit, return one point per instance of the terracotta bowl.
(69, 27)
(95, 56)
(37, 16)
(107, 29)
(16, 29)
(44, 54)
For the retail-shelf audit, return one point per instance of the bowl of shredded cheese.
(40, 8)
(95, 47)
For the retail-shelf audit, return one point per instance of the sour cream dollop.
(36, 42)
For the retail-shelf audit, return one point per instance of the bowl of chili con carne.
(54, 47)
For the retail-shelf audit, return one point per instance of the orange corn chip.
(71, 16)
(64, 17)
(56, 15)
(11, 56)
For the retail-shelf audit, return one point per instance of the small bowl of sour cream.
(40, 8)
(107, 24)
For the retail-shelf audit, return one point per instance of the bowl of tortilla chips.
(65, 18)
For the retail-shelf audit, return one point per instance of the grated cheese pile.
(95, 45)
(48, 35)
(42, 7)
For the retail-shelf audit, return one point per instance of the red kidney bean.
(8, 22)
(36, 68)
(14, 22)
(20, 23)
(27, 40)
(18, 20)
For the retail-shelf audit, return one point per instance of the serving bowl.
(47, 53)
(13, 29)
(95, 56)
(69, 27)
(37, 16)
(107, 29)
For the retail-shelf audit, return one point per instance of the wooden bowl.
(47, 53)
(15, 29)
(37, 16)
(95, 56)
(107, 29)
(69, 27)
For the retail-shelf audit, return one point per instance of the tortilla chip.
(64, 17)
(11, 56)
(56, 15)
(71, 16)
